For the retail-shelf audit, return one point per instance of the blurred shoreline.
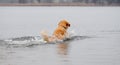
(57, 4)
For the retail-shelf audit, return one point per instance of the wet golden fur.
(59, 33)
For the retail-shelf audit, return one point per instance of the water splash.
(37, 40)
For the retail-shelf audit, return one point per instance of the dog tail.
(44, 35)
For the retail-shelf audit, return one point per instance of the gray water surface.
(98, 29)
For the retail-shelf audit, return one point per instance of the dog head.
(64, 23)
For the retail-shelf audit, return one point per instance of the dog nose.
(69, 25)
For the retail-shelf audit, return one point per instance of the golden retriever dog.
(59, 33)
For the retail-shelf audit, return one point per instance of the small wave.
(28, 41)
(30, 38)
(24, 40)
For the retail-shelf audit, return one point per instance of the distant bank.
(57, 4)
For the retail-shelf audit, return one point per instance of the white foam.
(71, 33)
(35, 39)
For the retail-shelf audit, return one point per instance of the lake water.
(96, 39)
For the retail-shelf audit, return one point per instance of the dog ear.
(62, 24)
